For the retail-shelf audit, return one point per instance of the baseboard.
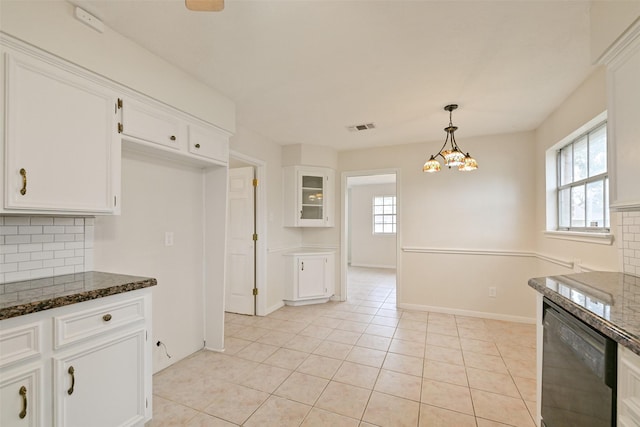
(274, 307)
(372, 266)
(468, 313)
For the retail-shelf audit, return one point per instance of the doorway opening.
(245, 286)
(370, 237)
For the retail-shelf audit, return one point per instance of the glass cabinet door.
(312, 205)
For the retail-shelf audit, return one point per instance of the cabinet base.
(306, 301)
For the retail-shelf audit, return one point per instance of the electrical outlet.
(168, 238)
(492, 291)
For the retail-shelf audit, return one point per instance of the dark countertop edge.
(73, 298)
(600, 324)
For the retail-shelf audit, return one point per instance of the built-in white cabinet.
(308, 196)
(62, 154)
(86, 364)
(623, 129)
(310, 277)
(628, 388)
(150, 122)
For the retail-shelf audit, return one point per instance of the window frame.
(601, 177)
(393, 215)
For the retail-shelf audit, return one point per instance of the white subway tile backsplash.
(43, 246)
(630, 242)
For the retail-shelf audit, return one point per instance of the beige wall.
(368, 249)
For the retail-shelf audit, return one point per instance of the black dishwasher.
(578, 372)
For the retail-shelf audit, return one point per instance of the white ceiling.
(302, 71)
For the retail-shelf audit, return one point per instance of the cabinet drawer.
(74, 327)
(209, 143)
(19, 343)
(151, 124)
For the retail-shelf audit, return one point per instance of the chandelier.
(453, 156)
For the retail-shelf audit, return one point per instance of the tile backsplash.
(32, 247)
(629, 243)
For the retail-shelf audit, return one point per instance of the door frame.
(344, 214)
(261, 228)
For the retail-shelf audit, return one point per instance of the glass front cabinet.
(308, 196)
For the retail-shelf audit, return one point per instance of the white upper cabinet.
(209, 142)
(308, 196)
(62, 153)
(149, 122)
(623, 75)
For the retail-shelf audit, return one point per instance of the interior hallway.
(357, 363)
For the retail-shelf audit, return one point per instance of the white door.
(240, 244)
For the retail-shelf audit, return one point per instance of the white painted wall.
(158, 196)
(368, 249)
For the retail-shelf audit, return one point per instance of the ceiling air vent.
(357, 128)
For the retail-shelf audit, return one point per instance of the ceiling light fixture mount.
(452, 155)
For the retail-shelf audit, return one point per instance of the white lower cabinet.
(21, 397)
(628, 388)
(101, 385)
(311, 277)
(85, 364)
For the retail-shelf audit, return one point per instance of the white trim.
(372, 266)
(489, 252)
(625, 206)
(282, 249)
(320, 246)
(620, 43)
(275, 307)
(468, 313)
(584, 237)
(261, 228)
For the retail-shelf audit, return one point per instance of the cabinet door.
(311, 276)
(102, 385)
(312, 199)
(20, 398)
(62, 151)
(149, 122)
(208, 142)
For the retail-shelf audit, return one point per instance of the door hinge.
(119, 103)
(255, 291)
(255, 182)
(120, 128)
(146, 403)
(255, 237)
(115, 201)
(146, 335)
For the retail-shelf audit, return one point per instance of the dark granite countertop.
(607, 301)
(30, 296)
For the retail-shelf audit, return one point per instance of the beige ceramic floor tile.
(319, 418)
(447, 396)
(449, 329)
(443, 340)
(521, 368)
(357, 374)
(205, 420)
(168, 413)
(431, 416)
(251, 333)
(348, 325)
(278, 412)
(532, 407)
(485, 362)
(327, 322)
(344, 399)
(235, 403)
(302, 388)
(391, 411)
(398, 384)
(286, 358)
(526, 387)
(319, 332)
(445, 372)
(489, 423)
(410, 335)
(479, 346)
(320, 366)
(374, 341)
(405, 364)
(408, 348)
(504, 409)
(275, 338)
(380, 330)
(332, 349)
(414, 325)
(443, 354)
(492, 381)
(232, 345)
(302, 343)
(421, 316)
(484, 335)
(359, 317)
(257, 352)
(518, 352)
(389, 311)
(384, 321)
(366, 356)
(265, 378)
(344, 337)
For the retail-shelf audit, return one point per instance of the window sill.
(584, 237)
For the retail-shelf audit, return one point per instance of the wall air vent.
(357, 128)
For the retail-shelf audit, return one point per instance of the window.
(582, 182)
(384, 215)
